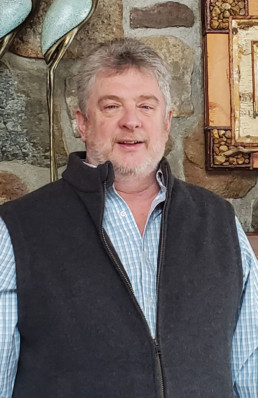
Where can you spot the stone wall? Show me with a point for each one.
(173, 29)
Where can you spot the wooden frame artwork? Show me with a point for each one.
(230, 48)
(243, 71)
(255, 77)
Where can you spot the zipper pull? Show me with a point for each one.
(157, 348)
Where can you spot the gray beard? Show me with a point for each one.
(144, 169)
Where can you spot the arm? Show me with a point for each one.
(245, 340)
(9, 335)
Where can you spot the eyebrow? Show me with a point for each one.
(141, 98)
(109, 97)
(149, 97)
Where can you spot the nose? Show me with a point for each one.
(130, 119)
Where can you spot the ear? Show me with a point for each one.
(81, 124)
(168, 123)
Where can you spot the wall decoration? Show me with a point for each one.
(230, 43)
(255, 76)
(62, 22)
(13, 14)
(242, 33)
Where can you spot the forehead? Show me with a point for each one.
(129, 80)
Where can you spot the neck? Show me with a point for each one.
(136, 186)
(138, 193)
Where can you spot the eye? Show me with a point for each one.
(113, 106)
(146, 107)
(110, 107)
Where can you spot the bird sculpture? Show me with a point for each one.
(62, 21)
(13, 14)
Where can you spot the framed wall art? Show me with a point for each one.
(230, 48)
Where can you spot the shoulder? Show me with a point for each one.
(189, 192)
(200, 197)
(45, 193)
(36, 205)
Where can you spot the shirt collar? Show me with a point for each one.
(159, 177)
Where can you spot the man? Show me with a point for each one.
(129, 281)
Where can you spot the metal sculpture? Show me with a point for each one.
(13, 14)
(63, 20)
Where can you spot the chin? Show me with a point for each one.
(143, 169)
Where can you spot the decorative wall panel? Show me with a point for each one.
(230, 44)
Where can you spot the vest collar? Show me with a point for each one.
(88, 179)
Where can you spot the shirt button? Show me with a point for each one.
(150, 301)
(122, 213)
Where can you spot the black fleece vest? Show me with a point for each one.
(83, 334)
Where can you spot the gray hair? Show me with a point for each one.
(117, 56)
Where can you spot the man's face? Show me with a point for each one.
(125, 122)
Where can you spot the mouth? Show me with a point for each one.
(129, 142)
(130, 145)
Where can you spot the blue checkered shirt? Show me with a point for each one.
(120, 225)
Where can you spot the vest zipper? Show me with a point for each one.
(160, 261)
(158, 355)
(128, 284)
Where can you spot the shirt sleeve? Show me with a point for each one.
(245, 340)
(9, 335)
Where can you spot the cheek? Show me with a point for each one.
(106, 130)
(160, 132)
